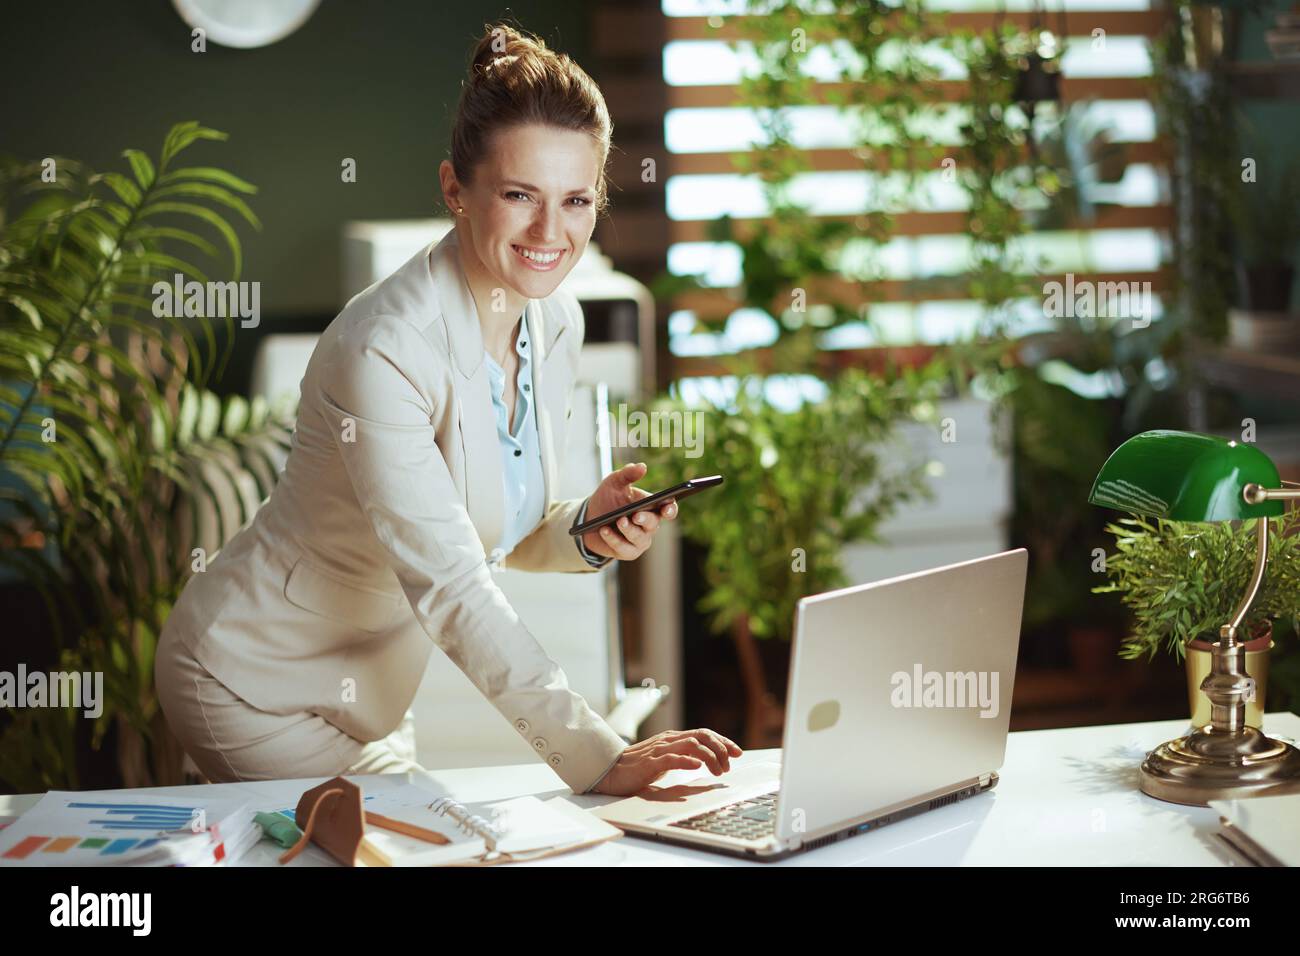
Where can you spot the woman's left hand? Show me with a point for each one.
(633, 534)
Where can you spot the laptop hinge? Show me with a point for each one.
(984, 779)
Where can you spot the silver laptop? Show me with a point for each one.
(899, 702)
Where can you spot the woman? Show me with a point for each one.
(426, 439)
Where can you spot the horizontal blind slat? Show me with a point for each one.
(947, 91)
(936, 289)
(625, 164)
(639, 232)
(1077, 23)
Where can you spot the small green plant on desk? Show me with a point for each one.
(1183, 580)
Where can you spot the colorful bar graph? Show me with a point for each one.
(61, 845)
(79, 832)
(139, 816)
(24, 849)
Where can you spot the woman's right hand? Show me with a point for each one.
(646, 761)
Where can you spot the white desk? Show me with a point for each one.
(1066, 798)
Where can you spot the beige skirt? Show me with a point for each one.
(230, 740)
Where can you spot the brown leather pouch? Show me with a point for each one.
(331, 816)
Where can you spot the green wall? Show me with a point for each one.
(376, 81)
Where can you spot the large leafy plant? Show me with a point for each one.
(121, 471)
(800, 483)
(803, 482)
(805, 477)
(1183, 580)
(997, 169)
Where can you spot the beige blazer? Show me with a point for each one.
(375, 543)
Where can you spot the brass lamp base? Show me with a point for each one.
(1227, 759)
(1220, 765)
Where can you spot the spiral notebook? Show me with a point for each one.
(480, 833)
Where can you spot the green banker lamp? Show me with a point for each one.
(1187, 477)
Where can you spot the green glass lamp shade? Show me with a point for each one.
(1185, 477)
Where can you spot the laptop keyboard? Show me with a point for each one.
(753, 818)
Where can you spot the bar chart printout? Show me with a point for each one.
(80, 829)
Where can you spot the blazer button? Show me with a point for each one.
(555, 759)
(521, 725)
(539, 744)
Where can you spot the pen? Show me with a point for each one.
(410, 829)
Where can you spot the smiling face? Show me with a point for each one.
(529, 212)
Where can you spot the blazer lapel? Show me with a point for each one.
(539, 332)
(484, 495)
(484, 491)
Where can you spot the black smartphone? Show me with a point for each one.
(687, 488)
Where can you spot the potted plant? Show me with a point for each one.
(1183, 580)
(1060, 438)
(801, 483)
(116, 462)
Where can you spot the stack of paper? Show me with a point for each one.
(75, 829)
(526, 824)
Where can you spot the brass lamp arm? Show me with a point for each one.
(1257, 494)
(1229, 630)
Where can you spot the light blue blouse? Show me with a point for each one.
(521, 457)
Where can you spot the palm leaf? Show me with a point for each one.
(140, 441)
